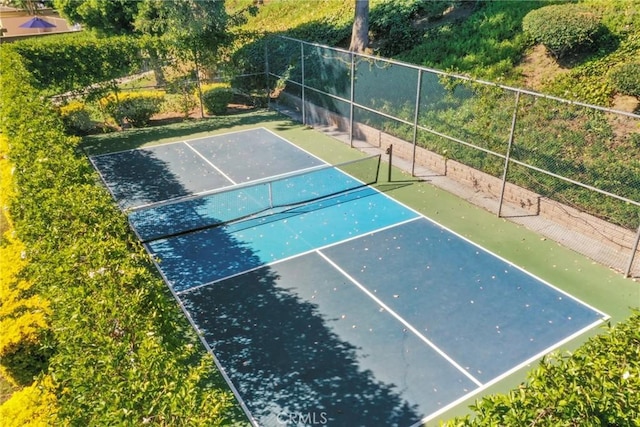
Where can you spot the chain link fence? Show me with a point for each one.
(566, 169)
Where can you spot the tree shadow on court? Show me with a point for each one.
(276, 347)
(138, 177)
(285, 359)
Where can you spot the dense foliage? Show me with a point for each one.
(597, 385)
(112, 347)
(77, 61)
(121, 352)
(487, 44)
(562, 28)
(216, 97)
(133, 108)
(390, 22)
(24, 315)
(114, 17)
(626, 78)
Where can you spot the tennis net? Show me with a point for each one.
(189, 214)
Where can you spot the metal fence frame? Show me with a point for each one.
(508, 160)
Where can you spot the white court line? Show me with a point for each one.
(181, 141)
(301, 254)
(505, 374)
(506, 261)
(204, 342)
(402, 320)
(210, 164)
(242, 185)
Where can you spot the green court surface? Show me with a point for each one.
(596, 285)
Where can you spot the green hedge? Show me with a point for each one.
(626, 78)
(562, 28)
(76, 118)
(598, 385)
(216, 98)
(133, 108)
(58, 64)
(122, 351)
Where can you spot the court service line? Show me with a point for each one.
(301, 254)
(507, 373)
(402, 320)
(209, 163)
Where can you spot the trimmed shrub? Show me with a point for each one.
(75, 61)
(597, 385)
(125, 353)
(33, 406)
(562, 28)
(216, 97)
(23, 314)
(134, 108)
(626, 79)
(76, 118)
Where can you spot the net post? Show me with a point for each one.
(390, 153)
(634, 249)
(508, 154)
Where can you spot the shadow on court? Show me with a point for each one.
(285, 359)
(129, 182)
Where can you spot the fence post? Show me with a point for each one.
(353, 80)
(415, 123)
(634, 249)
(266, 72)
(304, 101)
(507, 156)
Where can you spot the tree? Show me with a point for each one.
(196, 29)
(360, 31)
(113, 17)
(31, 6)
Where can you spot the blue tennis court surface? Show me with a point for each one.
(349, 309)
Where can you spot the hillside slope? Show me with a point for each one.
(483, 39)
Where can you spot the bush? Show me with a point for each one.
(126, 355)
(216, 97)
(391, 22)
(597, 385)
(62, 63)
(33, 406)
(562, 28)
(76, 118)
(23, 314)
(134, 108)
(626, 79)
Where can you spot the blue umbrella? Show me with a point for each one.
(37, 22)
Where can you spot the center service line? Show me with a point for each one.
(403, 321)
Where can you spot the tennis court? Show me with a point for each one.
(324, 301)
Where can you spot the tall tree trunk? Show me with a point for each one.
(360, 31)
